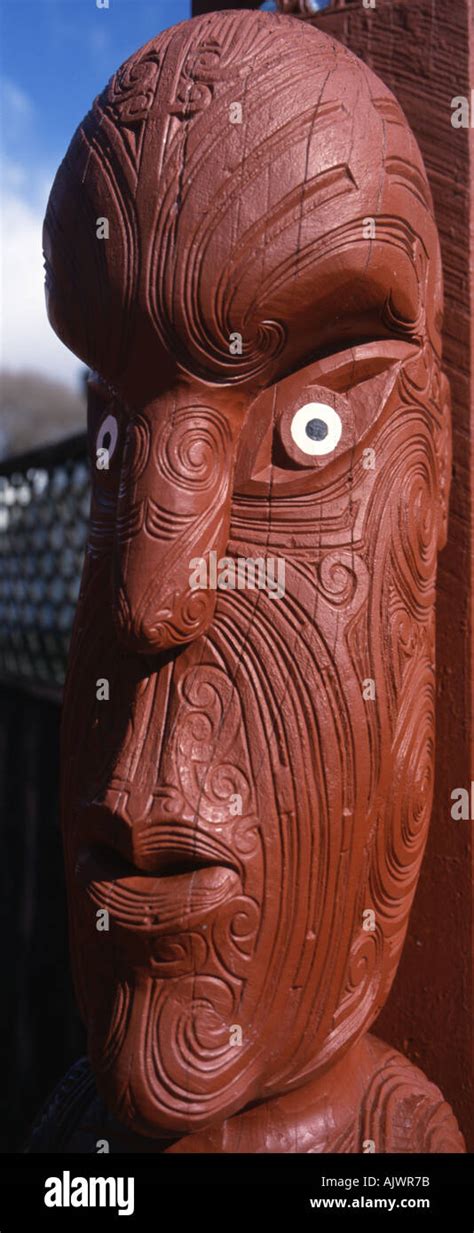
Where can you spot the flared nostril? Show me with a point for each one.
(140, 636)
(185, 617)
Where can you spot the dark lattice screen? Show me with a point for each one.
(44, 505)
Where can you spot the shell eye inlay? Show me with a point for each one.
(316, 428)
(107, 435)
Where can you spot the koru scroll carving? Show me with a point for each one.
(248, 798)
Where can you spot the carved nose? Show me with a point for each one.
(165, 612)
(173, 509)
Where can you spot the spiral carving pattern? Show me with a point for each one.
(263, 773)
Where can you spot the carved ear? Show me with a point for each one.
(443, 448)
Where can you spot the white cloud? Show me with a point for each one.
(14, 100)
(26, 337)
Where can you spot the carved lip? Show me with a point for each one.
(180, 895)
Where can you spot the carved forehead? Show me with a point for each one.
(276, 63)
(246, 108)
(306, 105)
(237, 154)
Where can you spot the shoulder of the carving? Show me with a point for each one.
(63, 1114)
(75, 1119)
(402, 1111)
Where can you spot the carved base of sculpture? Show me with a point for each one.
(374, 1100)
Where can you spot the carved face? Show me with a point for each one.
(247, 776)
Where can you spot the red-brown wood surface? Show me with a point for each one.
(423, 51)
(306, 231)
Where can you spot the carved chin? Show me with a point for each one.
(163, 1061)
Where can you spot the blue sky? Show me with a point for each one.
(56, 55)
(60, 54)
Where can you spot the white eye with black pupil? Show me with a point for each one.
(316, 428)
(107, 435)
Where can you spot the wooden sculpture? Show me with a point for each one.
(241, 242)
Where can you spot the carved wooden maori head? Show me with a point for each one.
(241, 242)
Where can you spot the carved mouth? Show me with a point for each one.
(174, 897)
